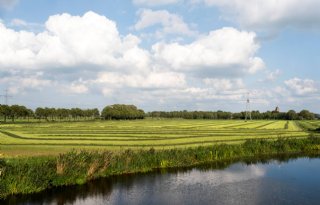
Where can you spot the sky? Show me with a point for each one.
(161, 54)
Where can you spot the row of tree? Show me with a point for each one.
(66, 114)
(290, 115)
(117, 112)
(17, 111)
(191, 114)
(129, 112)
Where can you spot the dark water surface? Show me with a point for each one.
(294, 181)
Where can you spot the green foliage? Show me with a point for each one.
(66, 114)
(14, 111)
(221, 115)
(122, 112)
(78, 166)
(306, 115)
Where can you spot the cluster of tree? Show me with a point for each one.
(63, 113)
(290, 115)
(191, 114)
(122, 112)
(15, 111)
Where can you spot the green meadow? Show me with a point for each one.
(53, 138)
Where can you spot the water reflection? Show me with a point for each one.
(284, 180)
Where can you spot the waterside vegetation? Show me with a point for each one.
(34, 174)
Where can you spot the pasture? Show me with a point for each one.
(32, 139)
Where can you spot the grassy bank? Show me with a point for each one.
(33, 174)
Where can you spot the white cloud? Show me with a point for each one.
(270, 76)
(226, 51)
(155, 2)
(58, 46)
(301, 87)
(152, 80)
(273, 75)
(19, 84)
(270, 14)
(171, 23)
(77, 88)
(57, 49)
(224, 84)
(90, 47)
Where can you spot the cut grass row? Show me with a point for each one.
(161, 134)
(152, 139)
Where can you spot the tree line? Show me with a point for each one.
(130, 112)
(257, 115)
(191, 114)
(114, 112)
(66, 114)
(14, 112)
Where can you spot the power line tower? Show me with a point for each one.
(6, 96)
(248, 109)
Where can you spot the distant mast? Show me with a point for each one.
(248, 109)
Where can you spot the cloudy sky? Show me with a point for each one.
(161, 54)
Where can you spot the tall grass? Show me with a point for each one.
(28, 175)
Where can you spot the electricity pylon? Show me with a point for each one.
(248, 109)
(6, 96)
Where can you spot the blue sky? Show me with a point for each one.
(161, 55)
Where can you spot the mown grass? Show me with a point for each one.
(33, 139)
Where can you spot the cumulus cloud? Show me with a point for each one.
(58, 45)
(155, 2)
(57, 48)
(87, 54)
(301, 86)
(226, 51)
(171, 23)
(271, 14)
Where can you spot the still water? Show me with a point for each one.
(292, 181)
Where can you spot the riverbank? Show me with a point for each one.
(34, 174)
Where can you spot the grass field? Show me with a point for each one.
(53, 138)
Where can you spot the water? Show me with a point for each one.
(295, 181)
